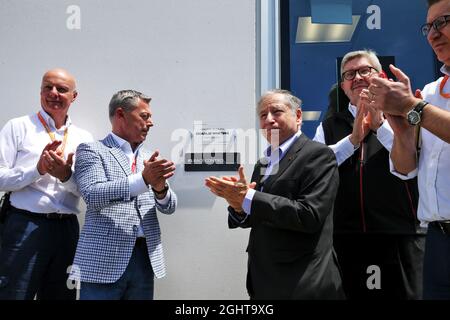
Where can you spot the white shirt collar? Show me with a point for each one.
(125, 146)
(51, 123)
(445, 70)
(284, 147)
(352, 108)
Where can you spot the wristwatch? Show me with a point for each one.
(163, 191)
(414, 116)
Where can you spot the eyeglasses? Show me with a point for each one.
(437, 24)
(363, 72)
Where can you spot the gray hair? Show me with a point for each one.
(366, 53)
(127, 100)
(432, 2)
(292, 101)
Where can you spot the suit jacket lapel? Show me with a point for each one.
(258, 174)
(287, 160)
(347, 117)
(118, 154)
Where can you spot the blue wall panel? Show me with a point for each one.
(312, 66)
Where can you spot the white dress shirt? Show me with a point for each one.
(21, 143)
(344, 149)
(434, 164)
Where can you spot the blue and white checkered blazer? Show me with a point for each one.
(112, 217)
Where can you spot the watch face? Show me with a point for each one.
(413, 117)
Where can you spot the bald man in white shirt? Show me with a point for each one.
(41, 227)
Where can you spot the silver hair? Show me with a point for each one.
(432, 2)
(366, 53)
(127, 100)
(292, 101)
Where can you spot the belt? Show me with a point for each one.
(444, 226)
(140, 242)
(50, 216)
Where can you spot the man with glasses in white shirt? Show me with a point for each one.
(375, 222)
(405, 113)
(41, 227)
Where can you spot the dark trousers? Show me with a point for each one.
(35, 255)
(394, 262)
(136, 283)
(436, 269)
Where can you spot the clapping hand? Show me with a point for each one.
(232, 189)
(52, 161)
(157, 171)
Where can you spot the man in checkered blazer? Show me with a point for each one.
(119, 251)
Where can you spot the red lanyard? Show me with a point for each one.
(441, 88)
(52, 134)
(133, 165)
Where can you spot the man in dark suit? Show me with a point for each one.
(288, 208)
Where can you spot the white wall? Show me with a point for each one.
(196, 58)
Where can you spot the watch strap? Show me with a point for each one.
(419, 106)
(414, 116)
(166, 187)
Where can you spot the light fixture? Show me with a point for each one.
(308, 32)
